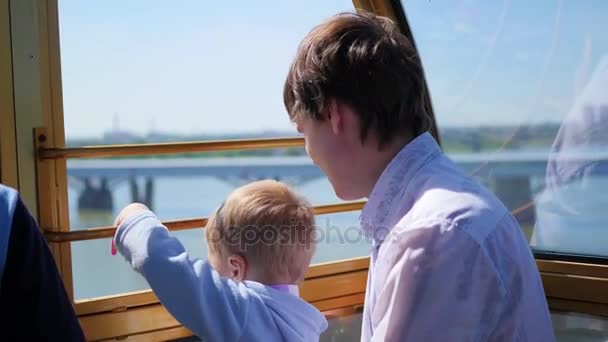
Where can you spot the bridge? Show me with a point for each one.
(508, 173)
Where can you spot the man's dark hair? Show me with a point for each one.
(364, 61)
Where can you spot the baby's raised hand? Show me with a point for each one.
(128, 211)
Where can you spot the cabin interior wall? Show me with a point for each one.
(8, 153)
(34, 34)
(26, 86)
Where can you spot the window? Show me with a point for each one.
(570, 326)
(518, 90)
(476, 80)
(150, 71)
(64, 180)
(147, 72)
(343, 328)
(96, 273)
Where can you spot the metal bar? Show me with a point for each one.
(175, 225)
(104, 151)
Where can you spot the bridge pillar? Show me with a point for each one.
(96, 198)
(148, 192)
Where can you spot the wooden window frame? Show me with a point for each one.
(8, 143)
(33, 160)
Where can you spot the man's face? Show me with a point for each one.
(329, 149)
(314, 134)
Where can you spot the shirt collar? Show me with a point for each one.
(287, 288)
(379, 214)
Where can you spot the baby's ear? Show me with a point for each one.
(238, 267)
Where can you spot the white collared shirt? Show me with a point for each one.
(448, 262)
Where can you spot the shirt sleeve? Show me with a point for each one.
(212, 307)
(436, 285)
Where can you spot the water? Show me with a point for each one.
(96, 273)
(569, 219)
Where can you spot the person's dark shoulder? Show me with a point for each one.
(8, 202)
(33, 301)
(9, 198)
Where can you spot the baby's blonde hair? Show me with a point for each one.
(269, 225)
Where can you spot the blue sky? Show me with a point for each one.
(189, 66)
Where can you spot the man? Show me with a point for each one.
(448, 261)
(33, 303)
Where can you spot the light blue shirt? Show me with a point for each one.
(448, 261)
(8, 202)
(213, 307)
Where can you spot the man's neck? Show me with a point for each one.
(379, 159)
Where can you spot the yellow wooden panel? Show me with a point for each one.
(52, 93)
(116, 324)
(337, 267)
(572, 287)
(159, 335)
(37, 103)
(354, 301)
(134, 299)
(103, 151)
(8, 148)
(341, 312)
(117, 302)
(333, 286)
(565, 305)
(556, 266)
(27, 92)
(326, 293)
(146, 321)
(364, 5)
(331, 308)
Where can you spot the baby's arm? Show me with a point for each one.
(211, 307)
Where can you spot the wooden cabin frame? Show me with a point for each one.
(33, 160)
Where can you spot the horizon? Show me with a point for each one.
(276, 132)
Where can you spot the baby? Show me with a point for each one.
(260, 243)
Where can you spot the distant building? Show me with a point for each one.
(118, 136)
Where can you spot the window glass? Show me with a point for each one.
(157, 71)
(147, 71)
(184, 187)
(178, 187)
(569, 326)
(97, 273)
(519, 92)
(343, 329)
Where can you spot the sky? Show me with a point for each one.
(198, 66)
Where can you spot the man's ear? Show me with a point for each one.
(335, 115)
(237, 266)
